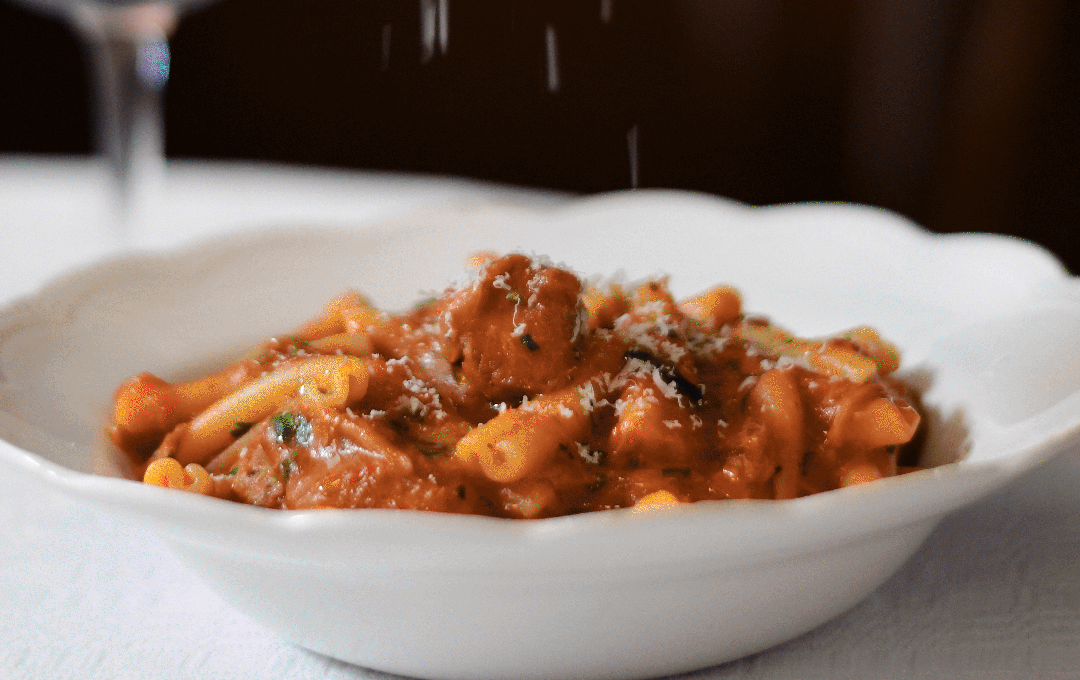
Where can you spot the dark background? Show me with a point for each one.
(958, 114)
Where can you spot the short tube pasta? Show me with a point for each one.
(657, 500)
(326, 380)
(883, 423)
(777, 397)
(168, 473)
(859, 354)
(349, 312)
(145, 406)
(715, 307)
(518, 442)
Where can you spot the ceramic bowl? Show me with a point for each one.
(987, 326)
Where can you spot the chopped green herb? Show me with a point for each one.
(291, 427)
(288, 463)
(426, 302)
(298, 346)
(514, 295)
(430, 450)
(284, 424)
(234, 470)
(529, 343)
(241, 427)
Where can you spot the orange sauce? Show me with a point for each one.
(621, 395)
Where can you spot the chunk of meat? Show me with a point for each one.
(516, 330)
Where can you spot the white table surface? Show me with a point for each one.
(994, 593)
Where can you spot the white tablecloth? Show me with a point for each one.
(994, 593)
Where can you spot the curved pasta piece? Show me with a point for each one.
(519, 441)
(329, 381)
(657, 500)
(882, 352)
(773, 339)
(839, 361)
(777, 396)
(145, 407)
(168, 473)
(715, 308)
(882, 422)
(860, 473)
(350, 312)
(650, 425)
(826, 357)
(870, 421)
(346, 343)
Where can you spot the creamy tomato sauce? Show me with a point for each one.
(528, 393)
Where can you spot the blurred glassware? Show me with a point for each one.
(128, 42)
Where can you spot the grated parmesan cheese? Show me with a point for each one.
(415, 385)
(589, 456)
(588, 397)
(500, 281)
(667, 389)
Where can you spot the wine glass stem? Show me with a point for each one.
(130, 59)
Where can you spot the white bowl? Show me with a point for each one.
(987, 326)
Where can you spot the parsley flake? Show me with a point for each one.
(291, 427)
(288, 464)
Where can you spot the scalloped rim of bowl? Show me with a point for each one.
(56, 302)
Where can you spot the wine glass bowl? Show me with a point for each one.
(128, 43)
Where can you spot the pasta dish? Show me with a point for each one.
(527, 392)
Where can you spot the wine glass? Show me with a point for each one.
(128, 42)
